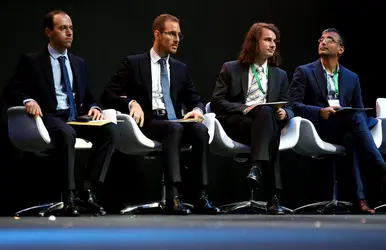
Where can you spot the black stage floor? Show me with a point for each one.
(195, 232)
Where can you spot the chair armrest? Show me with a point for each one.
(290, 134)
(207, 108)
(132, 140)
(25, 132)
(209, 122)
(311, 144)
(376, 132)
(381, 107)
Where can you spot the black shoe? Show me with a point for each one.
(204, 206)
(89, 202)
(255, 177)
(69, 206)
(175, 207)
(274, 207)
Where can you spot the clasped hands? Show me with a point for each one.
(280, 113)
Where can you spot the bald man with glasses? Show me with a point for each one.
(319, 89)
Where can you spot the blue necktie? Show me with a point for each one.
(166, 91)
(65, 82)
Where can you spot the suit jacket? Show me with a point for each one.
(133, 80)
(230, 92)
(33, 79)
(308, 91)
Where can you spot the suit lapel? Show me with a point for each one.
(173, 77)
(47, 68)
(320, 78)
(76, 76)
(146, 73)
(341, 84)
(272, 84)
(244, 81)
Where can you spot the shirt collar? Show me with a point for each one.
(54, 54)
(264, 66)
(337, 68)
(155, 57)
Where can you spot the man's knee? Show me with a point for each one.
(201, 131)
(263, 110)
(65, 134)
(110, 132)
(175, 128)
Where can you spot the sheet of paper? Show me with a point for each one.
(90, 123)
(273, 104)
(352, 109)
(186, 120)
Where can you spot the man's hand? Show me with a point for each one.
(33, 109)
(326, 112)
(137, 113)
(280, 114)
(96, 114)
(246, 111)
(195, 114)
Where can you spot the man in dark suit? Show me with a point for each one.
(318, 89)
(240, 88)
(155, 86)
(53, 84)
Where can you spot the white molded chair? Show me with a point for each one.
(381, 114)
(134, 142)
(221, 144)
(310, 144)
(299, 135)
(29, 134)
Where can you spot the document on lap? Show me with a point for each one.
(90, 123)
(352, 109)
(275, 105)
(187, 120)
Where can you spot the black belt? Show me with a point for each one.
(159, 112)
(62, 110)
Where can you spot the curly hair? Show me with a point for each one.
(250, 48)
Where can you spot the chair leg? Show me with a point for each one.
(312, 205)
(332, 205)
(252, 206)
(144, 206)
(381, 208)
(35, 208)
(54, 207)
(233, 207)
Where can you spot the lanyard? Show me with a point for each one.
(258, 79)
(335, 81)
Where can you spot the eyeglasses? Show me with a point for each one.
(174, 34)
(328, 40)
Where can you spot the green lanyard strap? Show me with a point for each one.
(258, 79)
(336, 83)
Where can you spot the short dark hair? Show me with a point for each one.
(250, 49)
(159, 22)
(341, 38)
(48, 21)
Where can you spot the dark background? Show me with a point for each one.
(105, 32)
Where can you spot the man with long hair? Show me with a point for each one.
(241, 88)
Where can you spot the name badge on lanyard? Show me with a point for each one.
(333, 100)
